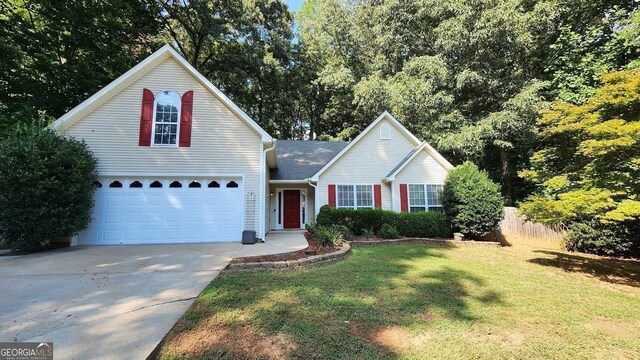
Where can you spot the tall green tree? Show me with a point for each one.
(55, 54)
(245, 48)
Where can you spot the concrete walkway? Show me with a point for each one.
(276, 242)
(113, 302)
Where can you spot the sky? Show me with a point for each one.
(294, 5)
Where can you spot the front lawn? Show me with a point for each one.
(415, 301)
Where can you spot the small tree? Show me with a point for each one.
(472, 201)
(46, 188)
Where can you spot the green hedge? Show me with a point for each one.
(418, 224)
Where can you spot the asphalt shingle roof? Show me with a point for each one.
(299, 160)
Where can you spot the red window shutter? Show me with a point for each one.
(332, 196)
(377, 196)
(404, 199)
(146, 118)
(185, 118)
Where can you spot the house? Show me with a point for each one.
(179, 162)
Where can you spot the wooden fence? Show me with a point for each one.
(515, 230)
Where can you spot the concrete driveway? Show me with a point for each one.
(114, 302)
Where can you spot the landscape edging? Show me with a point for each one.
(427, 241)
(289, 264)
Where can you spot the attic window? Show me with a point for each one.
(385, 132)
(135, 184)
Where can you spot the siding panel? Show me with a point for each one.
(423, 169)
(368, 162)
(221, 143)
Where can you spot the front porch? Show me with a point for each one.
(291, 205)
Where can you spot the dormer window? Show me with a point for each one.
(166, 118)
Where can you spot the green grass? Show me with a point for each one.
(414, 301)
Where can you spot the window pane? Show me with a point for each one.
(416, 195)
(433, 194)
(166, 118)
(364, 196)
(416, 208)
(436, 209)
(344, 196)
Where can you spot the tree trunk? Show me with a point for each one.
(505, 177)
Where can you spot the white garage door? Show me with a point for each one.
(156, 211)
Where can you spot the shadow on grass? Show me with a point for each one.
(624, 272)
(345, 310)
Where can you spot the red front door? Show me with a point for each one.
(292, 209)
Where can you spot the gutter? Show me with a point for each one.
(316, 199)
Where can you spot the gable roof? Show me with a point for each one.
(138, 71)
(299, 160)
(384, 115)
(412, 154)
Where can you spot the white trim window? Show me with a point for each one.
(424, 197)
(166, 119)
(354, 196)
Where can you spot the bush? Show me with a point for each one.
(46, 188)
(615, 239)
(472, 201)
(424, 224)
(356, 220)
(420, 224)
(368, 233)
(388, 232)
(332, 235)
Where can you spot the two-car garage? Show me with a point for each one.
(165, 210)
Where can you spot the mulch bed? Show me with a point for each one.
(313, 249)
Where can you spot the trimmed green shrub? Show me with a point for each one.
(388, 231)
(614, 239)
(46, 188)
(330, 236)
(472, 201)
(368, 233)
(419, 224)
(356, 220)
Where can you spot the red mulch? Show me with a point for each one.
(311, 250)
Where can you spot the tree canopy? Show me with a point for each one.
(468, 76)
(589, 164)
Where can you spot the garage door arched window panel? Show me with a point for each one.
(232, 184)
(214, 184)
(97, 184)
(166, 119)
(115, 184)
(155, 184)
(135, 184)
(175, 184)
(168, 215)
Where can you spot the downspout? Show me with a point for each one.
(265, 191)
(316, 199)
(393, 193)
